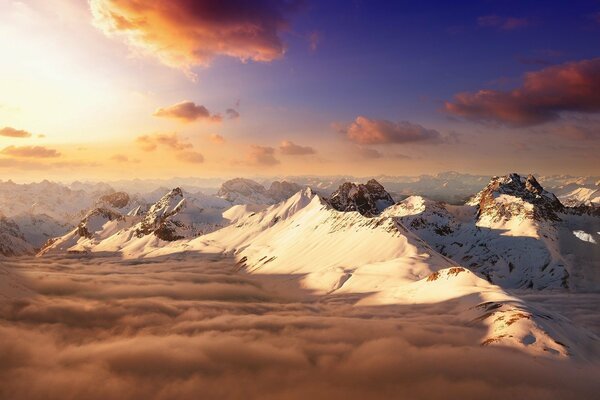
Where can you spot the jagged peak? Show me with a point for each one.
(369, 199)
(543, 204)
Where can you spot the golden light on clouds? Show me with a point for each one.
(183, 34)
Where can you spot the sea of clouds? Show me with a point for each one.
(194, 327)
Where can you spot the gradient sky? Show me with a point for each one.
(106, 89)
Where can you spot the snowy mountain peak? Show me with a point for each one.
(160, 217)
(513, 195)
(369, 199)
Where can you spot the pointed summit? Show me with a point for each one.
(514, 195)
(369, 200)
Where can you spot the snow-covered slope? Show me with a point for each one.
(56, 200)
(12, 241)
(120, 221)
(513, 232)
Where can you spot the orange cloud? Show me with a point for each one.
(30, 152)
(262, 155)
(289, 148)
(152, 142)
(368, 131)
(573, 86)
(187, 111)
(217, 139)
(15, 133)
(184, 33)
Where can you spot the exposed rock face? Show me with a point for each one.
(160, 218)
(95, 219)
(369, 200)
(512, 195)
(116, 199)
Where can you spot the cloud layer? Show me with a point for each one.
(166, 329)
(570, 87)
(185, 33)
(187, 111)
(366, 131)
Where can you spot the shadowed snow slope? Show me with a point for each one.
(514, 233)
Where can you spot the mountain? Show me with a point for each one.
(119, 221)
(369, 199)
(572, 190)
(280, 191)
(377, 260)
(246, 191)
(37, 229)
(173, 217)
(97, 225)
(513, 232)
(55, 200)
(515, 196)
(12, 241)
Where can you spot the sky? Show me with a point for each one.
(107, 89)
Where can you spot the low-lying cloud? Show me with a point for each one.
(367, 131)
(544, 95)
(166, 329)
(184, 33)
